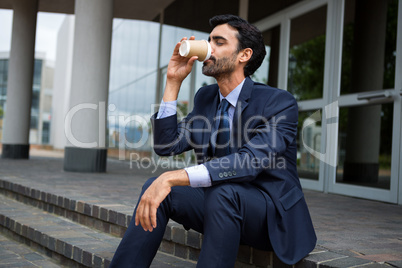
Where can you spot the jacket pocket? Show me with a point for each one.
(289, 199)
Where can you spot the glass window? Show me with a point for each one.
(37, 72)
(261, 74)
(34, 121)
(133, 72)
(46, 133)
(3, 72)
(369, 46)
(270, 64)
(35, 100)
(3, 91)
(365, 145)
(307, 55)
(308, 140)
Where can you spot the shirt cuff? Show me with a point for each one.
(167, 109)
(199, 176)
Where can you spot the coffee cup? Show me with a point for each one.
(200, 48)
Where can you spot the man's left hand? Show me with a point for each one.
(155, 194)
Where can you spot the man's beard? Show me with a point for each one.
(221, 67)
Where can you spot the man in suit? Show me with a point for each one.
(245, 188)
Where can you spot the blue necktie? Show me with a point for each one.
(223, 136)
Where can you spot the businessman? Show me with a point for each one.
(245, 188)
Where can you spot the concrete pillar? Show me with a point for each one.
(20, 77)
(85, 123)
(364, 124)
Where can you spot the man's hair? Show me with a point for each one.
(249, 37)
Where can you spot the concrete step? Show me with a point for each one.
(16, 254)
(69, 243)
(111, 218)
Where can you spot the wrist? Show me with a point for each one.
(177, 178)
(171, 90)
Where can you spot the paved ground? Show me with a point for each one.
(354, 227)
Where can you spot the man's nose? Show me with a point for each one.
(212, 47)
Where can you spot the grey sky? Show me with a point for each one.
(47, 27)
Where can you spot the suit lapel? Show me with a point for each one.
(242, 103)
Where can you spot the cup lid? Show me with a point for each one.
(209, 51)
(184, 48)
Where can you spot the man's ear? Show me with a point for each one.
(245, 54)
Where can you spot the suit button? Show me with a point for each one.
(220, 175)
(230, 174)
(234, 173)
(225, 174)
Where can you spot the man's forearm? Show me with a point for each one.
(176, 178)
(171, 91)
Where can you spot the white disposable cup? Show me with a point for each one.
(200, 48)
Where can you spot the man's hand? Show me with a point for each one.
(178, 69)
(155, 194)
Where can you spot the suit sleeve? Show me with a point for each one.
(270, 138)
(170, 137)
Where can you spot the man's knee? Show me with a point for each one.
(222, 196)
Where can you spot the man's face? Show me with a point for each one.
(224, 42)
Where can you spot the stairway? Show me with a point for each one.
(77, 233)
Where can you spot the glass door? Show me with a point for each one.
(368, 139)
(344, 69)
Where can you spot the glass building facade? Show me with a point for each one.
(39, 126)
(134, 93)
(36, 88)
(3, 90)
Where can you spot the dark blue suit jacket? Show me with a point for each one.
(263, 153)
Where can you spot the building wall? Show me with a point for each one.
(42, 95)
(62, 81)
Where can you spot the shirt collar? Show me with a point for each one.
(233, 96)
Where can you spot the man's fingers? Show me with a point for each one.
(153, 216)
(176, 49)
(145, 219)
(191, 61)
(138, 214)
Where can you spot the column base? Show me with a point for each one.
(85, 159)
(360, 172)
(15, 151)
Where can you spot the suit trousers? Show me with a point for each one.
(228, 214)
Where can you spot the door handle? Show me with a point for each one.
(374, 95)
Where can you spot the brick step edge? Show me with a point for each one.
(54, 235)
(176, 241)
(105, 217)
